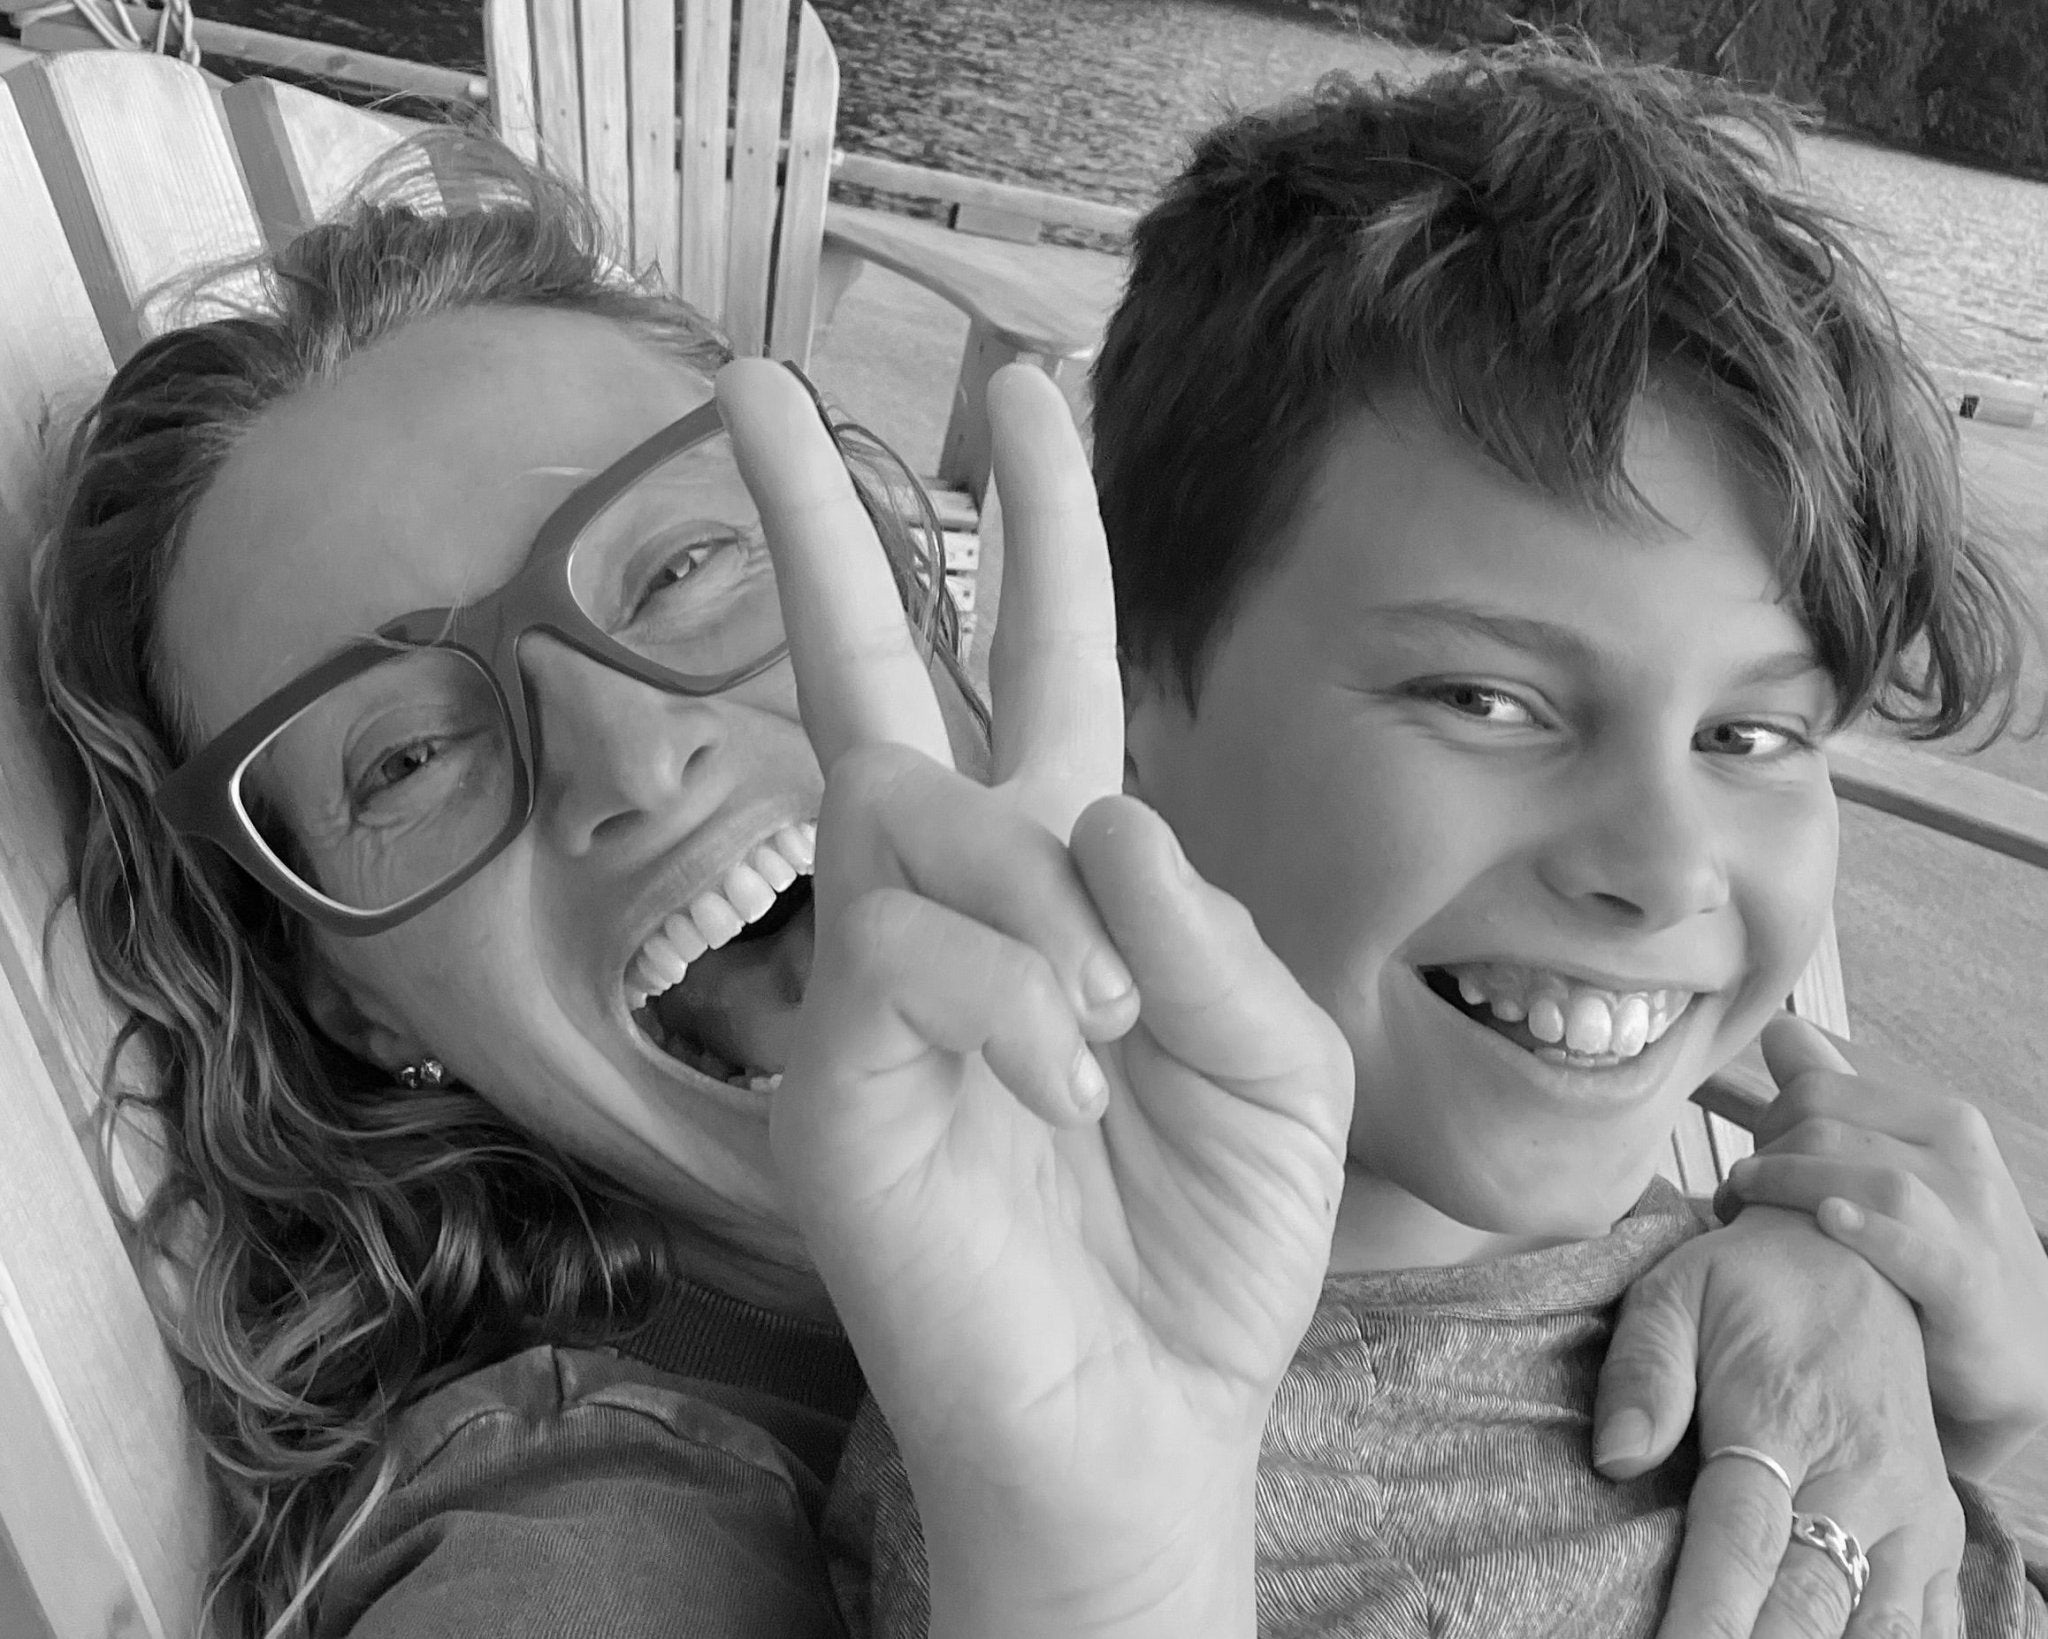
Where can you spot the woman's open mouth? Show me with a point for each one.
(1559, 1019)
(717, 986)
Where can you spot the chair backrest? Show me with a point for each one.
(118, 173)
(687, 121)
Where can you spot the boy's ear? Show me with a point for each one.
(352, 1021)
(1146, 700)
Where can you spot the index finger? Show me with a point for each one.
(1058, 699)
(859, 677)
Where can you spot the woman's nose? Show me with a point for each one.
(1641, 848)
(621, 762)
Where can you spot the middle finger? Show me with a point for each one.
(1059, 725)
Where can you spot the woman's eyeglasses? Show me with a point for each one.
(386, 776)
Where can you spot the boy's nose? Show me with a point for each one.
(1642, 852)
(621, 762)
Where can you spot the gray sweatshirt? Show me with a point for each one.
(1426, 1469)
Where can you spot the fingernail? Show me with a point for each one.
(1623, 1436)
(1086, 1085)
(1844, 1217)
(1105, 980)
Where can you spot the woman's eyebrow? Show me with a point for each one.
(1563, 645)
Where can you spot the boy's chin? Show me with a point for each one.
(1539, 1202)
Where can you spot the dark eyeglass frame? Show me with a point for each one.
(202, 797)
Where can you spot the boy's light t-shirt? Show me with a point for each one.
(1426, 1469)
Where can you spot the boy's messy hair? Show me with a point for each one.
(1532, 238)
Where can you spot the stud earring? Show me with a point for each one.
(427, 1072)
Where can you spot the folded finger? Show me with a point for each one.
(1736, 1526)
(1863, 1103)
(860, 678)
(1942, 1610)
(1212, 993)
(1895, 1598)
(1927, 1268)
(1880, 1187)
(892, 817)
(1810, 1598)
(899, 979)
(1053, 674)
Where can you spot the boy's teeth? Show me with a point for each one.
(1588, 1025)
(1631, 1026)
(1586, 1021)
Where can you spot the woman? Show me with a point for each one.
(495, 1314)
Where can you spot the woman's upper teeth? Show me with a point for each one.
(1585, 1018)
(746, 893)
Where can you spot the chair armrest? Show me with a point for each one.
(1952, 798)
(970, 274)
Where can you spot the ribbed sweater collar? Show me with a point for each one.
(702, 1333)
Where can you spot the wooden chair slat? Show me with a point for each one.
(302, 153)
(140, 215)
(607, 114)
(91, 1418)
(651, 93)
(1729, 1142)
(806, 183)
(508, 55)
(53, 356)
(1820, 994)
(756, 157)
(557, 94)
(702, 211)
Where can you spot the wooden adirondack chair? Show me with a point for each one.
(117, 174)
(721, 180)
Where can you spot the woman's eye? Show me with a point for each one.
(1488, 705)
(1750, 740)
(394, 768)
(688, 570)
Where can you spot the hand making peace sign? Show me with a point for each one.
(1065, 1139)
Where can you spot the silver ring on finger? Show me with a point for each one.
(1751, 1454)
(1818, 1531)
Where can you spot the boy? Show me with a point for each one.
(1509, 486)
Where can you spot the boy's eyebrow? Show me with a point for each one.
(1561, 643)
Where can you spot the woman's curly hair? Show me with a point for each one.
(325, 1249)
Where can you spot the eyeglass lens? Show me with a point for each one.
(400, 778)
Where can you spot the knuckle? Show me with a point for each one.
(1886, 1622)
(1813, 1593)
(1756, 1529)
(1963, 1129)
(876, 923)
(1895, 1192)
(867, 776)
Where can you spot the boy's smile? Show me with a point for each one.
(1531, 800)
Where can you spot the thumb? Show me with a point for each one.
(1794, 1046)
(1647, 1386)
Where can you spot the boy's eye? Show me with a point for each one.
(1487, 704)
(1749, 740)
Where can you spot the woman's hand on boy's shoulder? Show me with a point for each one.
(1065, 1139)
(1913, 1180)
(1787, 1344)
